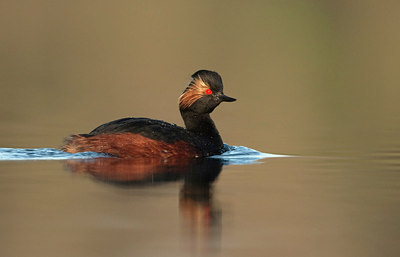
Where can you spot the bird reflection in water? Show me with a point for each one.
(201, 216)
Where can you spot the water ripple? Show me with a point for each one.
(235, 155)
(20, 154)
(231, 155)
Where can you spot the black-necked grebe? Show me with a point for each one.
(142, 137)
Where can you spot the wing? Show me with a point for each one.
(154, 129)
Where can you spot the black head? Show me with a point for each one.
(204, 93)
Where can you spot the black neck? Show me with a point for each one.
(202, 125)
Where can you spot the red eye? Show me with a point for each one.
(208, 92)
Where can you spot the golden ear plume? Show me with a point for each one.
(193, 92)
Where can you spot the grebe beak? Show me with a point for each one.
(225, 98)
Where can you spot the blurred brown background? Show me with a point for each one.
(301, 70)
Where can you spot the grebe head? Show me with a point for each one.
(204, 93)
